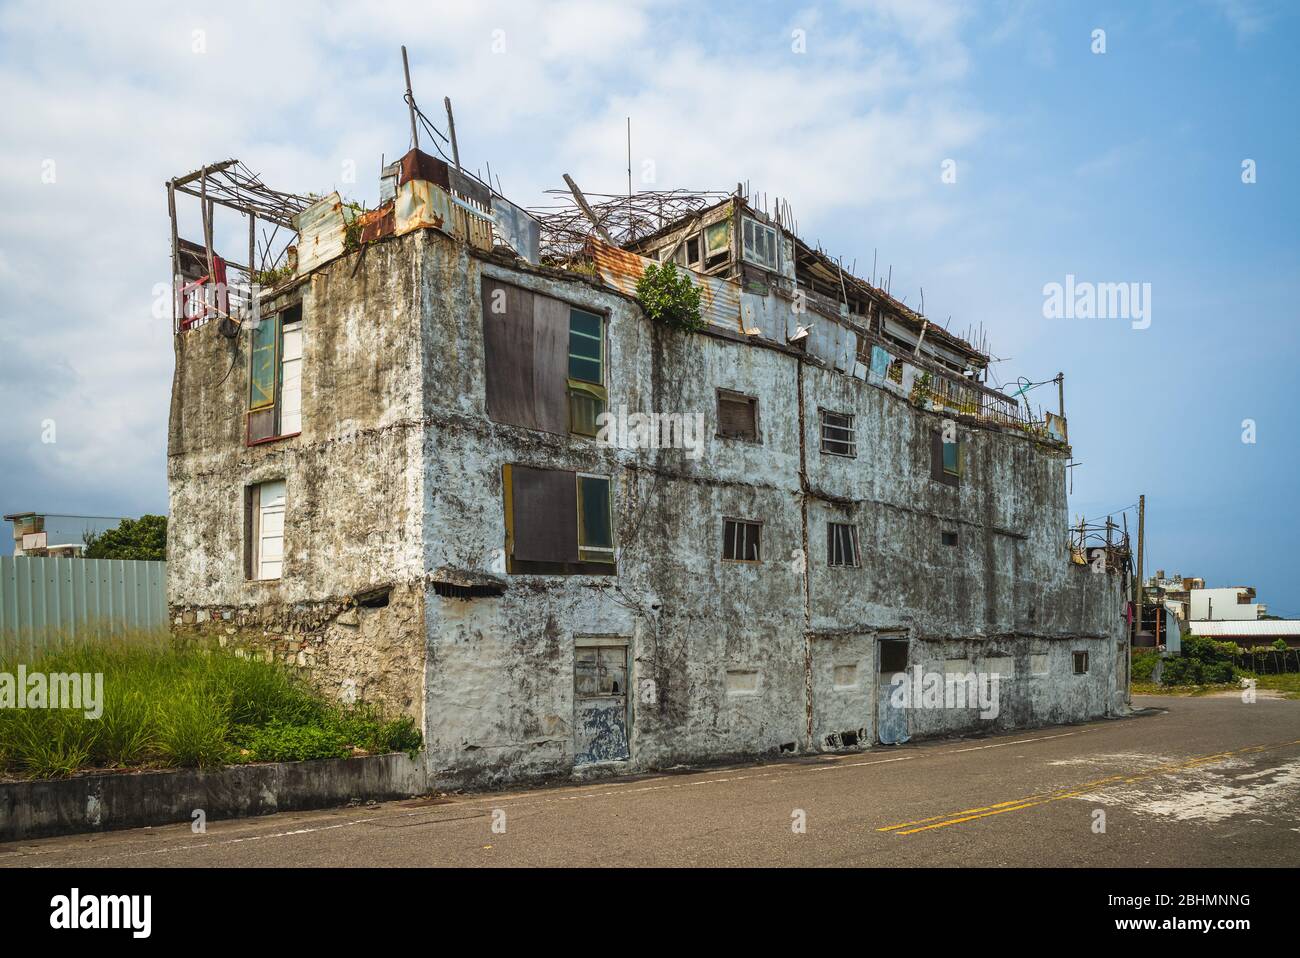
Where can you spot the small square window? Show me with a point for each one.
(693, 250)
(741, 540)
(838, 436)
(1080, 663)
(737, 416)
(949, 538)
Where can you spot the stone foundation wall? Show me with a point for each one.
(349, 653)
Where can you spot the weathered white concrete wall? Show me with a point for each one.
(727, 659)
(500, 670)
(354, 487)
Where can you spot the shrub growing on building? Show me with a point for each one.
(668, 296)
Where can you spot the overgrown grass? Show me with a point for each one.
(164, 706)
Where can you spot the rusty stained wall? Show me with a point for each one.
(499, 677)
(354, 488)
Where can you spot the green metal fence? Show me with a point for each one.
(44, 601)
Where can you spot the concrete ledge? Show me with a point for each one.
(38, 809)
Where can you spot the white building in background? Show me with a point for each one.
(1236, 603)
(50, 534)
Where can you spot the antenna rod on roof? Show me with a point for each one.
(410, 99)
(451, 129)
(629, 157)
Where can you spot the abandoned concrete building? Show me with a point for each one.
(385, 468)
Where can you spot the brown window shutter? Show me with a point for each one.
(551, 364)
(508, 354)
(736, 417)
(545, 514)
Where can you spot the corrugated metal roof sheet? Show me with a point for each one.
(1252, 628)
(719, 298)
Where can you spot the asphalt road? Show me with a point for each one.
(1200, 781)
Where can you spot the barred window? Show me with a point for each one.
(842, 544)
(838, 435)
(740, 540)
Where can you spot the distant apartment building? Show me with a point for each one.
(55, 535)
(1234, 602)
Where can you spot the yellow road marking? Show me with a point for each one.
(1072, 791)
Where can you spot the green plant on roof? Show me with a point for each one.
(668, 296)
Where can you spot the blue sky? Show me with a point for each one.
(1123, 166)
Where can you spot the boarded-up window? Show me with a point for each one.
(264, 530)
(737, 416)
(599, 671)
(740, 540)
(558, 522)
(544, 361)
(945, 459)
(838, 436)
(841, 544)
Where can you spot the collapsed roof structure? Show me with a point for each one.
(758, 279)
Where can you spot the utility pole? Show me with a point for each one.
(451, 130)
(1142, 513)
(1060, 393)
(410, 100)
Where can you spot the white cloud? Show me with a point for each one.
(118, 98)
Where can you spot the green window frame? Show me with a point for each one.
(586, 381)
(595, 518)
(586, 347)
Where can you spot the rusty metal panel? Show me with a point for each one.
(321, 233)
(376, 224)
(418, 165)
(420, 203)
(719, 298)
